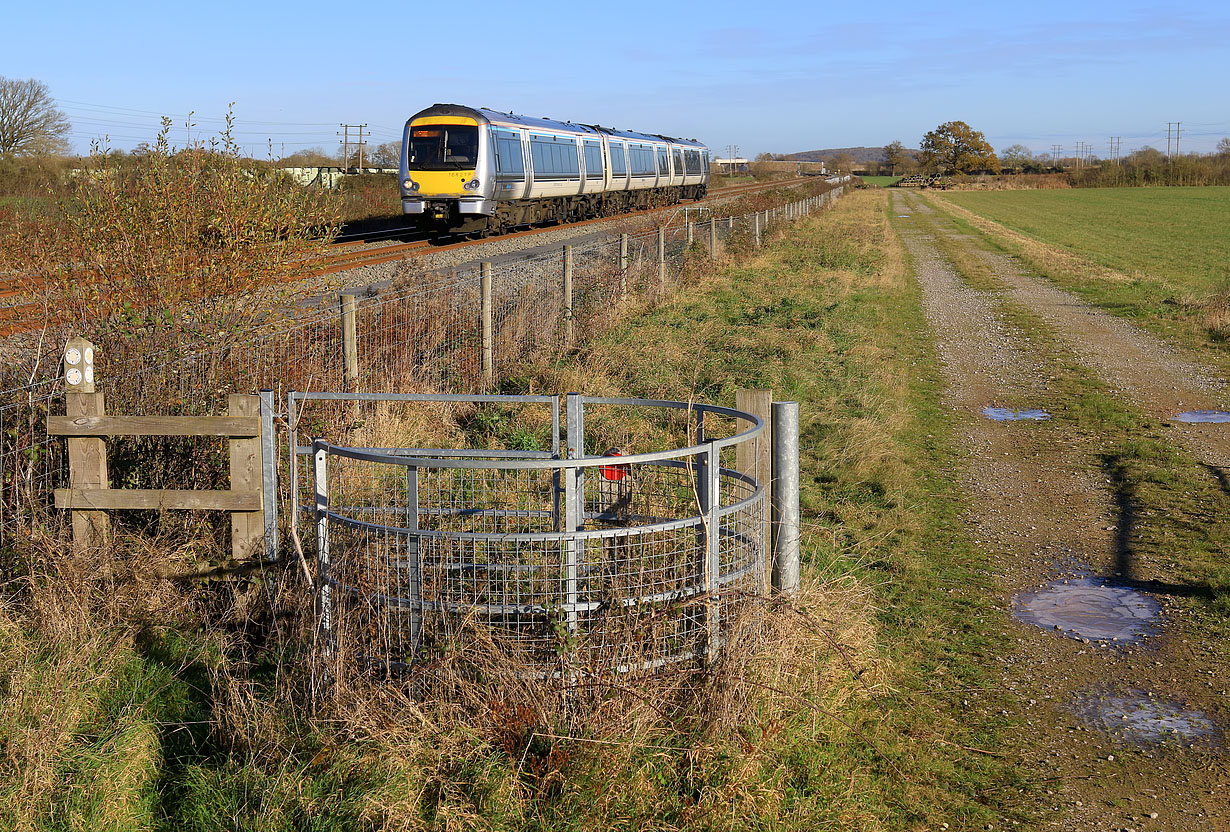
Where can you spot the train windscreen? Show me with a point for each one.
(442, 147)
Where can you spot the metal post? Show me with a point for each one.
(269, 474)
(486, 325)
(350, 343)
(712, 237)
(574, 503)
(568, 325)
(713, 549)
(785, 504)
(623, 266)
(661, 260)
(324, 596)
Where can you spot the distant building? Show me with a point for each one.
(735, 165)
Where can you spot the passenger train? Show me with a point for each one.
(478, 171)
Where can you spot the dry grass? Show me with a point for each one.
(598, 745)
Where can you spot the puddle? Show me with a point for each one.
(903, 216)
(1202, 416)
(1087, 608)
(1138, 717)
(1004, 414)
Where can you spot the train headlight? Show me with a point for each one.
(473, 185)
(410, 185)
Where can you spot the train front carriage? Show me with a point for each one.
(467, 170)
(444, 176)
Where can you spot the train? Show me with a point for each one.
(474, 171)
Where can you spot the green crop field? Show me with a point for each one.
(1179, 236)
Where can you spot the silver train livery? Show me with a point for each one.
(471, 170)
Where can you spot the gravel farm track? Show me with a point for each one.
(1047, 512)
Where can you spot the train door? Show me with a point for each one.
(510, 178)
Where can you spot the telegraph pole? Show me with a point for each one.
(1178, 128)
(732, 151)
(346, 143)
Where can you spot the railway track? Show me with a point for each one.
(344, 260)
(15, 315)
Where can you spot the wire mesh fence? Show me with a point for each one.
(587, 564)
(424, 337)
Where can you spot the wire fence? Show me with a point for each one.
(579, 564)
(425, 337)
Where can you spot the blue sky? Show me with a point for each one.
(769, 76)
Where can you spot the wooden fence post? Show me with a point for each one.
(623, 266)
(87, 457)
(247, 527)
(350, 343)
(661, 260)
(569, 333)
(487, 324)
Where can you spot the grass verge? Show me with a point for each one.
(173, 724)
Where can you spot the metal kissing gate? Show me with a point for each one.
(622, 562)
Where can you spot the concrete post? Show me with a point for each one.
(756, 225)
(712, 237)
(784, 513)
(688, 223)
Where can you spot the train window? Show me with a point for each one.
(704, 159)
(678, 154)
(619, 165)
(593, 160)
(554, 157)
(664, 164)
(509, 159)
(442, 147)
(642, 160)
(693, 161)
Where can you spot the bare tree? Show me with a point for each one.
(386, 155)
(29, 120)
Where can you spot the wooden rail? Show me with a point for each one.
(90, 495)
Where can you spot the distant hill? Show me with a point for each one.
(857, 154)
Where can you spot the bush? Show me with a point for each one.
(174, 243)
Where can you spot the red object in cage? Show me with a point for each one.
(614, 473)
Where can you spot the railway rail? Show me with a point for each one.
(15, 316)
(344, 260)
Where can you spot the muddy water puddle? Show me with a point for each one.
(1007, 414)
(1202, 417)
(1090, 609)
(1138, 717)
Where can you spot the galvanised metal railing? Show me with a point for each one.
(610, 563)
